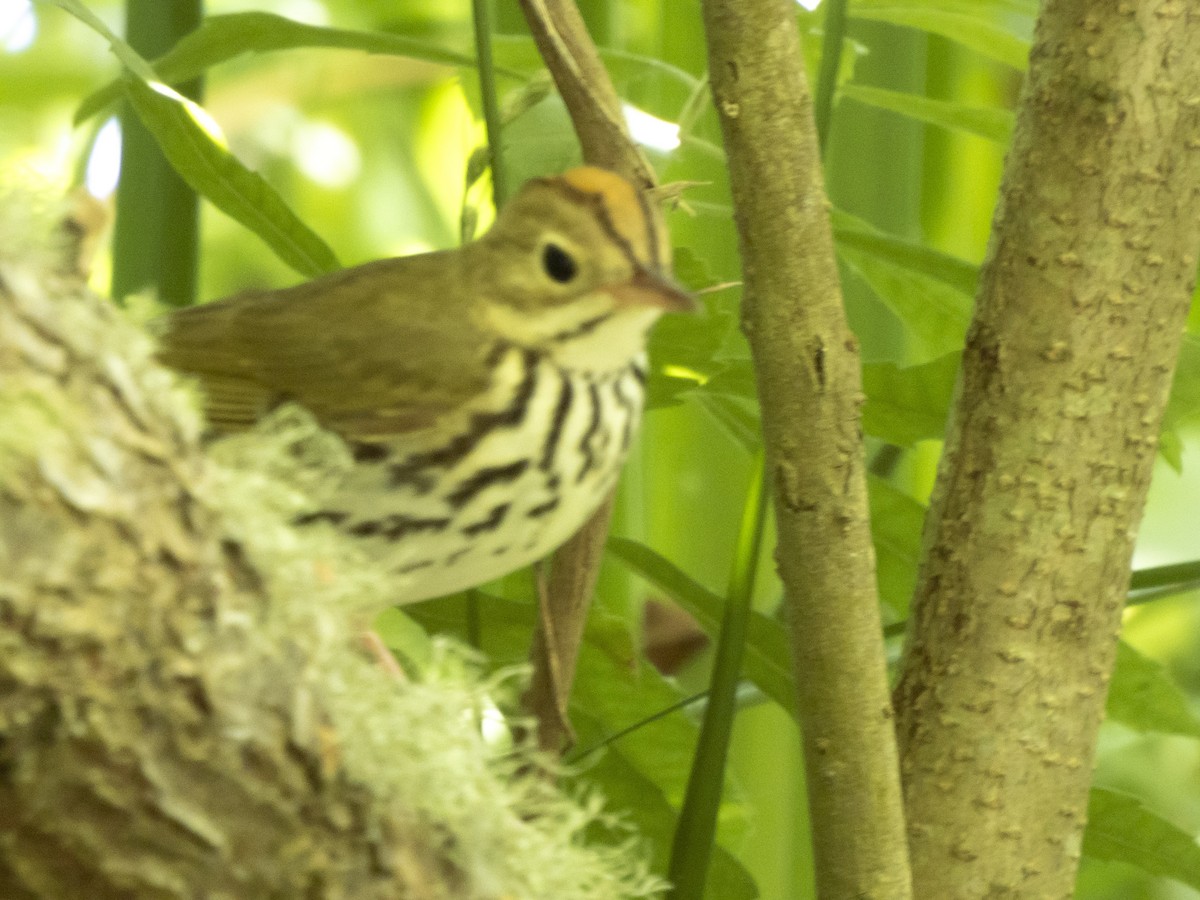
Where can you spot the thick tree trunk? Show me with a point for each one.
(1065, 377)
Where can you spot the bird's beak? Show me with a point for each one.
(649, 289)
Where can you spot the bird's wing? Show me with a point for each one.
(369, 351)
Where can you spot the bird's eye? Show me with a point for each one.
(559, 264)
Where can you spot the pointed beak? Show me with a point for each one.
(649, 289)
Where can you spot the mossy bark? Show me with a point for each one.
(154, 741)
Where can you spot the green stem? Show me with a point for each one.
(831, 60)
(694, 106)
(156, 237)
(696, 831)
(482, 15)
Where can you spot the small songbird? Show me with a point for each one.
(488, 394)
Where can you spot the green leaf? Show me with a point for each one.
(222, 38)
(683, 349)
(931, 292)
(702, 804)
(216, 174)
(737, 415)
(896, 523)
(208, 167)
(613, 691)
(909, 404)
(1184, 403)
(991, 124)
(643, 802)
(768, 660)
(129, 57)
(642, 773)
(998, 29)
(1163, 581)
(1143, 696)
(1121, 829)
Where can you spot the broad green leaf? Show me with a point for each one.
(767, 662)
(643, 803)
(222, 38)
(206, 165)
(1184, 403)
(216, 174)
(1142, 696)
(896, 523)
(991, 124)
(999, 29)
(951, 271)
(930, 292)
(739, 417)
(909, 404)
(702, 804)
(612, 692)
(1119, 828)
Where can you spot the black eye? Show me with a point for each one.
(559, 264)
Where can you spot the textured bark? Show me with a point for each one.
(566, 597)
(1065, 376)
(809, 384)
(586, 89)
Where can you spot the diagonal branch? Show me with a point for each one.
(595, 110)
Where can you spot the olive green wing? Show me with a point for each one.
(373, 351)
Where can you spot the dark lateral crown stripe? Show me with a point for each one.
(482, 423)
(596, 202)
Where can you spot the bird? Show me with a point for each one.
(488, 395)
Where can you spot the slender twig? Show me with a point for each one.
(482, 16)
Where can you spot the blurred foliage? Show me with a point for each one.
(351, 130)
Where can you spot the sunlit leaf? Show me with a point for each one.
(225, 37)
(1119, 828)
(1142, 696)
(188, 141)
(999, 29)
(991, 124)
(908, 404)
(931, 292)
(214, 173)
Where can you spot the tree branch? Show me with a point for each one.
(1065, 376)
(566, 596)
(809, 384)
